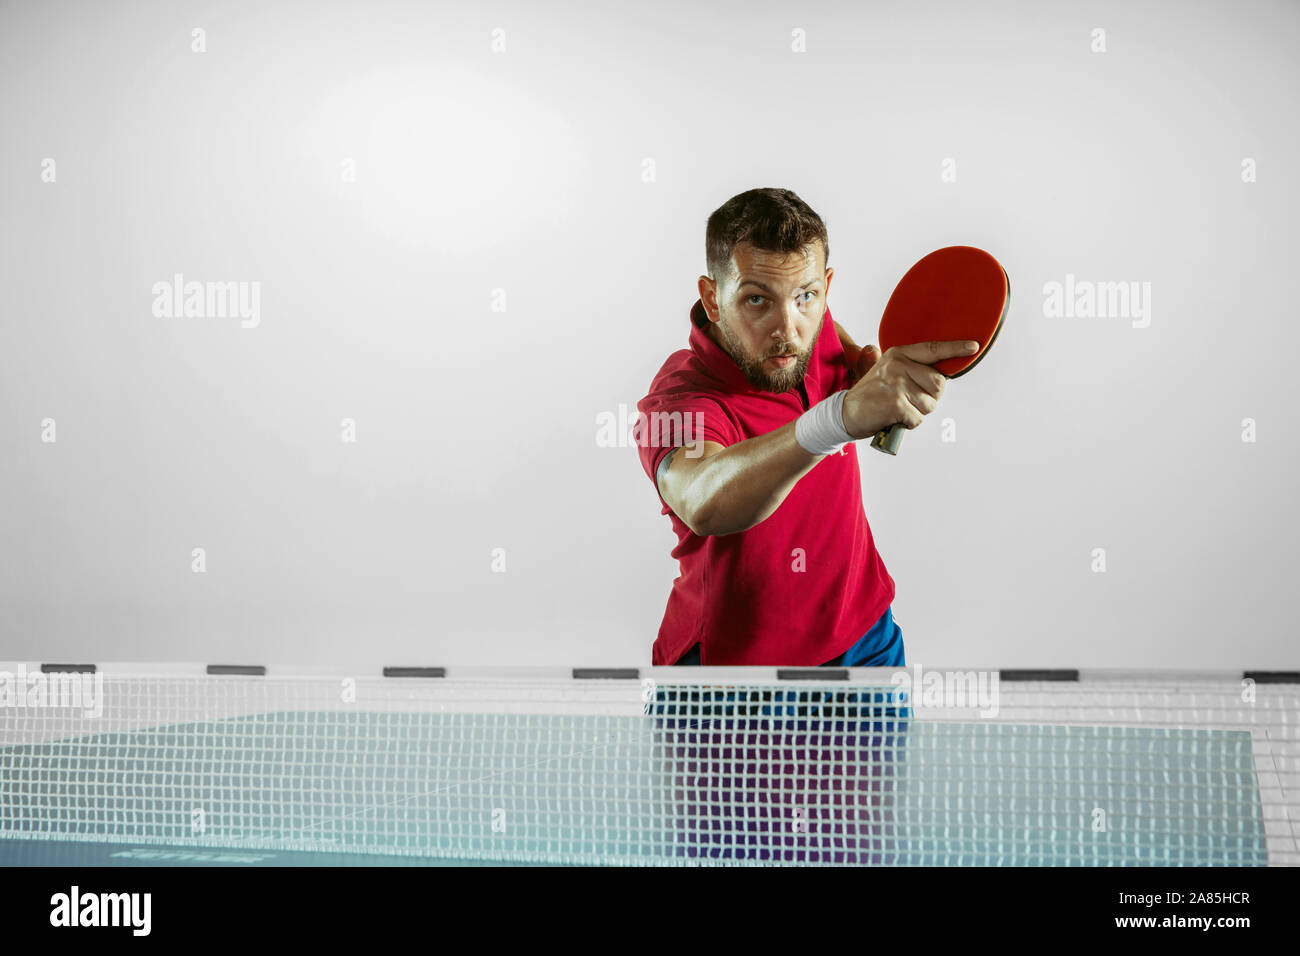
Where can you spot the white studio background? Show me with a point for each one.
(475, 229)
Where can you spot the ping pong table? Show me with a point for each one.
(173, 765)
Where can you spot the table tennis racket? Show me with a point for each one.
(954, 293)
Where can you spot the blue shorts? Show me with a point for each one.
(882, 646)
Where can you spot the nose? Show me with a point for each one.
(787, 333)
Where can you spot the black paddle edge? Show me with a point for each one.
(236, 670)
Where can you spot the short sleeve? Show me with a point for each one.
(678, 420)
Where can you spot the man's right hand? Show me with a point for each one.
(900, 388)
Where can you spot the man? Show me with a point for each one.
(778, 565)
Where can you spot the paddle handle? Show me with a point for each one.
(889, 439)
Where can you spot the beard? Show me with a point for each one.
(780, 380)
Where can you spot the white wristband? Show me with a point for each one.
(820, 430)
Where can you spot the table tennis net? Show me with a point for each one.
(710, 771)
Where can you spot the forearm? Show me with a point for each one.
(744, 484)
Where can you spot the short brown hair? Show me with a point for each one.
(774, 220)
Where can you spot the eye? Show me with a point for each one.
(750, 299)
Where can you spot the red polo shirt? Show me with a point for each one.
(797, 589)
